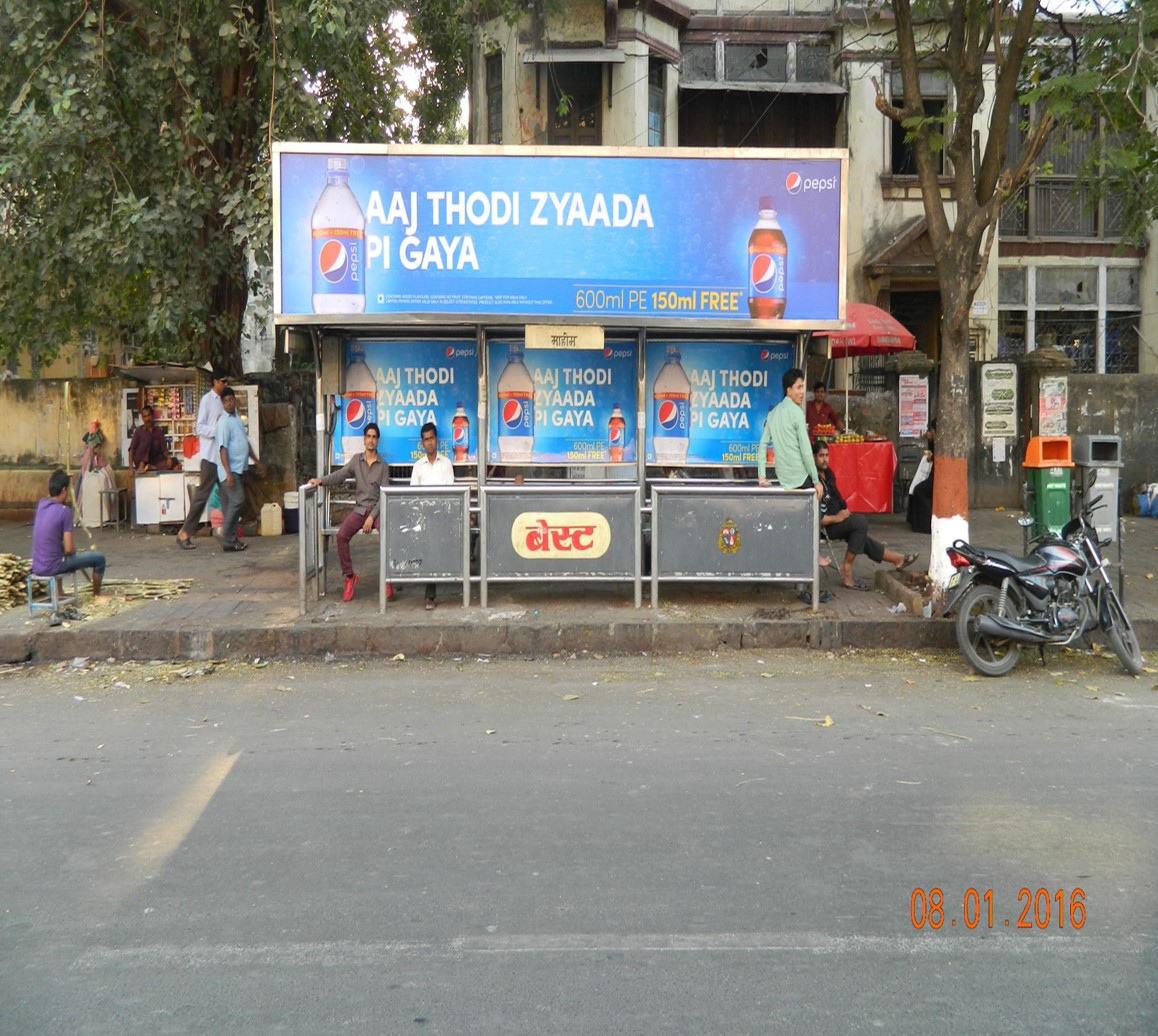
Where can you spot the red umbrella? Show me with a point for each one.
(869, 331)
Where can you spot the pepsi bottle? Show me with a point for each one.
(516, 397)
(671, 395)
(338, 228)
(767, 266)
(359, 405)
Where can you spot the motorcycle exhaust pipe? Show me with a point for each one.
(1002, 628)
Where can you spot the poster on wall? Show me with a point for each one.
(914, 405)
(998, 400)
(643, 235)
(400, 385)
(705, 402)
(561, 406)
(1051, 403)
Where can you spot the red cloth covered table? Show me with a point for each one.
(864, 474)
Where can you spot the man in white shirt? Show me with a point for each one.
(434, 469)
(209, 412)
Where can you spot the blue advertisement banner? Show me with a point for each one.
(401, 385)
(607, 236)
(706, 401)
(562, 406)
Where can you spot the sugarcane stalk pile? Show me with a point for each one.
(14, 571)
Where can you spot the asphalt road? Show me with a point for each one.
(676, 845)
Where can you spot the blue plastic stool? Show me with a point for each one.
(56, 599)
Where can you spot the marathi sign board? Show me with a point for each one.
(998, 400)
(661, 237)
(914, 405)
(1051, 406)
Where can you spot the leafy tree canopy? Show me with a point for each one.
(135, 147)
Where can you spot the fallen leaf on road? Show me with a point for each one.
(1091, 687)
(492, 731)
(971, 679)
(400, 657)
(826, 722)
(570, 697)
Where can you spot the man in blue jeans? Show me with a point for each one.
(53, 551)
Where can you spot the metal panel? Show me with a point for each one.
(733, 533)
(309, 544)
(425, 536)
(560, 533)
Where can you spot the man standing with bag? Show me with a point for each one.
(209, 410)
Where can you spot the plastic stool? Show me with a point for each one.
(56, 600)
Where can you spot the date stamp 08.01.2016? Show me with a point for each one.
(1037, 909)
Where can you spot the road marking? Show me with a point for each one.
(362, 954)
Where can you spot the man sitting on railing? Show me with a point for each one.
(370, 473)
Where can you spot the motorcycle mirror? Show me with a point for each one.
(1025, 521)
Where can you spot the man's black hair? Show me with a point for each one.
(227, 391)
(373, 427)
(57, 481)
(791, 377)
(430, 426)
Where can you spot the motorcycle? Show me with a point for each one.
(1053, 596)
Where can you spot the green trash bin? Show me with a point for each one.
(1048, 463)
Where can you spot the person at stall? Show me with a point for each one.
(819, 411)
(919, 512)
(147, 449)
(841, 524)
(370, 473)
(432, 469)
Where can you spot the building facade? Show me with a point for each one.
(805, 74)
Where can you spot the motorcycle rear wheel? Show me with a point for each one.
(1121, 636)
(988, 655)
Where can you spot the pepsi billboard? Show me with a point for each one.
(706, 402)
(562, 406)
(629, 236)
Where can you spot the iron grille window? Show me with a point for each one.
(495, 99)
(655, 104)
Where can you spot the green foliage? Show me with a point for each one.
(134, 150)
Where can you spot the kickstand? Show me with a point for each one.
(1041, 653)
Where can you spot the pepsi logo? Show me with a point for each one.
(615, 437)
(765, 273)
(668, 415)
(513, 414)
(764, 355)
(450, 352)
(357, 415)
(793, 182)
(607, 353)
(333, 261)
(461, 434)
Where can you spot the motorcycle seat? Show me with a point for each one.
(1018, 564)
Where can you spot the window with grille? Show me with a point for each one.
(495, 99)
(576, 105)
(655, 103)
(774, 61)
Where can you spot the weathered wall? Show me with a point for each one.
(1125, 406)
(37, 428)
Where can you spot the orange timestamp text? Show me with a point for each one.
(1040, 908)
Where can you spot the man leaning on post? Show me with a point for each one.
(370, 473)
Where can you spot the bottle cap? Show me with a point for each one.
(336, 165)
(765, 201)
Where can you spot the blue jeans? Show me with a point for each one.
(93, 559)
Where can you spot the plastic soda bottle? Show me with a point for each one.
(616, 435)
(516, 392)
(338, 228)
(770, 454)
(460, 434)
(767, 266)
(359, 404)
(671, 402)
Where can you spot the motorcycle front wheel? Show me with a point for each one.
(988, 655)
(1121, 635)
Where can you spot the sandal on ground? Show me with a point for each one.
(909, 559)
(856, 584)
(430, 604)
(806, 596)
(186, 544)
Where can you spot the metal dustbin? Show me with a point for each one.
(1047, 477)
(1099, 457)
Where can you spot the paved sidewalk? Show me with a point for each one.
(245, 605)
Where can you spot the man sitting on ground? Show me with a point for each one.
(841, 524)
(53, 552)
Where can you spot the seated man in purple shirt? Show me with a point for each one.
(53, 553)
